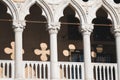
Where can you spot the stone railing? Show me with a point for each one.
(68, 70)
(105, 71)
(6, 69)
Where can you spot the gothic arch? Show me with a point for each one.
(11, 9)
(112, 13)
(46, 9)
(108, 8)
(80, 14)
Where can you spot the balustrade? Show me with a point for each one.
(36, 70)
(105, 71)
(68, 70)
(6, 69)
(71, 70)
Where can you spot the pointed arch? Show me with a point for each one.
(112, 13)
(110, 10)
(45, 8)
(11, 9)
(80, 14)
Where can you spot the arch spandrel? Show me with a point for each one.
(46, 11)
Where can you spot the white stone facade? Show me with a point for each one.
(53, 11)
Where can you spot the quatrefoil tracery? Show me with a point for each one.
(11, 51)
(43, 52)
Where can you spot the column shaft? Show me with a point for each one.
(54, 67)
(18, 54)
(54, 57)
(117, 36)
(87, 57)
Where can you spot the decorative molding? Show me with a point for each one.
(80, 10)
(53, 27)
(116, 30)
(90, 9)
(112, 3)
(85, 10)
(87, 28)
(88, 5)
(112, 11)
(19, 24)
(57, 7)
(46, 10)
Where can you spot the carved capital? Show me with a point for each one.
(54, 27)
(87, 28)
(116, 30)
(19, 25)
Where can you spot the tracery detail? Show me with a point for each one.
(43, 52)
(11, 50)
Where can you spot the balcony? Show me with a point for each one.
(36, 70)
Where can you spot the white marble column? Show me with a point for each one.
(88, 72)
(54, 68)
(18, 29)
(117, 38)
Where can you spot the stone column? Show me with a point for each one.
(54, 67)
(117, 38)
(88, 72)
(18, 29)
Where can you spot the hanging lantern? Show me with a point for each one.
(19, 1)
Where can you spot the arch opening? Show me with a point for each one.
(6, 32)
(69, 37)
(102, 39)
(35, 35)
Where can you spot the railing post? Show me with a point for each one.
(54, 67)
(18, 29)
(88, 71)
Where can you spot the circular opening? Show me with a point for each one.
(85, 0)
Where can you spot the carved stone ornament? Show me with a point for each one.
(116, 30)
(54, 27)
(19, 24)
(87, 28)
